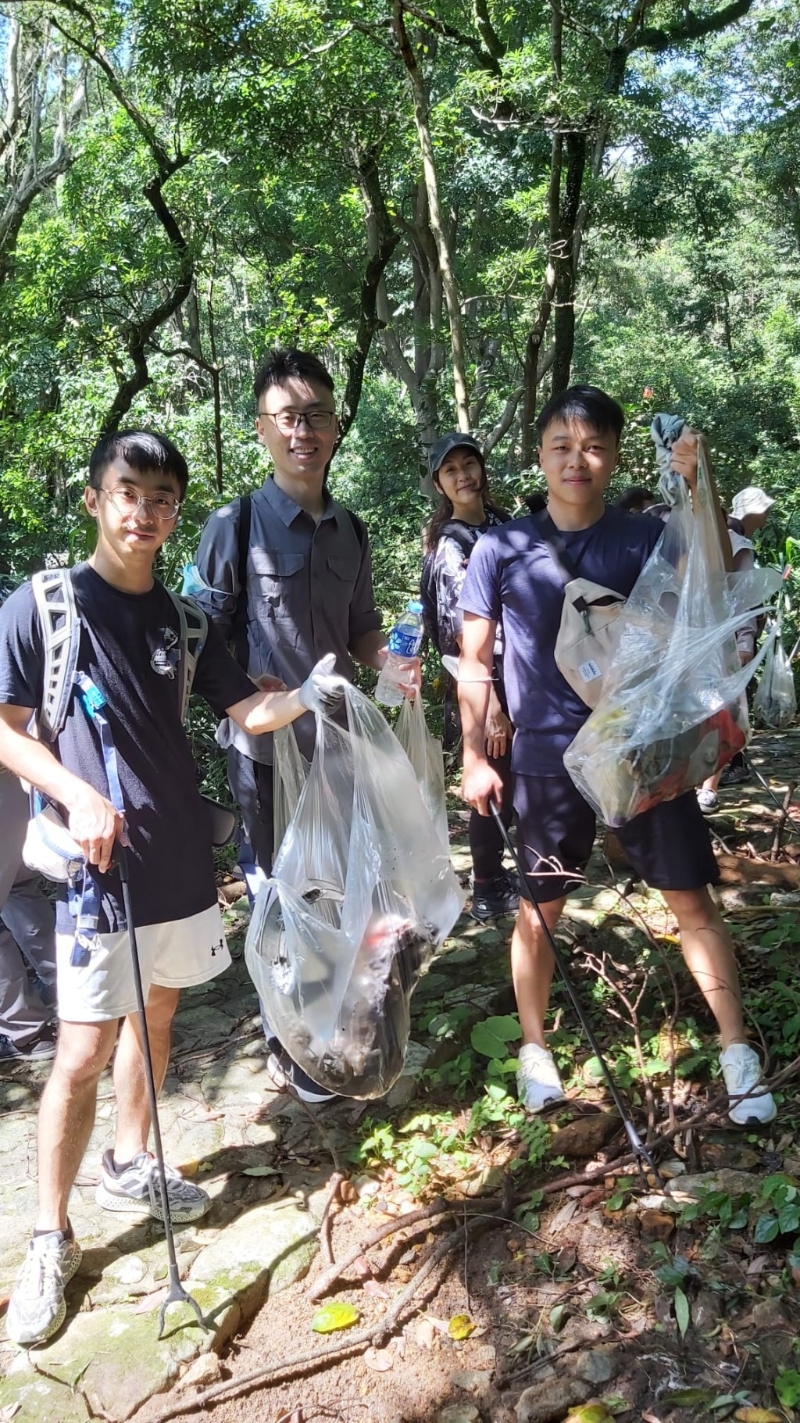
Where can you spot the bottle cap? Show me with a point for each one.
(414, 607)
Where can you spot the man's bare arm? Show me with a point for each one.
(480, 782)
(266, 711)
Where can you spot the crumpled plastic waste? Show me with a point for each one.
(775, 700)
(671, 709)
(361, 894)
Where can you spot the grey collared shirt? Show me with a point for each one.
(309, 592)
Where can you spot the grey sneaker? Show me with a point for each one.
(40, 1048)
(137, 1190)
(37, 1307)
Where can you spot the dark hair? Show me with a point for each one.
(143, 450)
(287, 363)
(443, 512)
(634, 499)
(586, 403)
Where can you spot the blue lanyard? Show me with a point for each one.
(83, 898)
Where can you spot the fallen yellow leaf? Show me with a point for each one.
(460, 1326)
(334, 1316)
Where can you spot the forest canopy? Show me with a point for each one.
(460, 205)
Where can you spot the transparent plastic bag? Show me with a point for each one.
(775, 700)
(671, 710)
(362, 892)
(424, 751)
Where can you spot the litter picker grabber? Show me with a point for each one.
(177, 1294)
(640, 1152)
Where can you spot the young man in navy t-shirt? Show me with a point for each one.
(513, 579)
(130, 649)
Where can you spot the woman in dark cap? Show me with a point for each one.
(464, 512)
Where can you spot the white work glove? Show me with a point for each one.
(323, 690)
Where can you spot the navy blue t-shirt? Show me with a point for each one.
(129, 648)
(512, 579)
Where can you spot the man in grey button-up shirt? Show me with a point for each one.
(309, 578)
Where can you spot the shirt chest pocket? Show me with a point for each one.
(276, 580)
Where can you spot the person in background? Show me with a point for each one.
(636, 500)
(27, 931)
(27, 936)
(464, 513)
(749, 512)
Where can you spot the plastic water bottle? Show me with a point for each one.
(405, 641)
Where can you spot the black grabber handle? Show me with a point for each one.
(177, 1294)
(636, 1144)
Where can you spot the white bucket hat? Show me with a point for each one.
(751, 500)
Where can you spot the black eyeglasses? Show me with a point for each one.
(126, 501)
(288, 420)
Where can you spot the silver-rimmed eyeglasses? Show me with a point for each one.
(127, 501)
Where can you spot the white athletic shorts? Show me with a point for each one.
(175, 955)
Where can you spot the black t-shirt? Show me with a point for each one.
(129, 647)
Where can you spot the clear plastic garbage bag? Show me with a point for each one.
(362, 891)
(424, 751)
(672, 710)
(775, 700)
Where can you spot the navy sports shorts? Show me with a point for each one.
(668, 846)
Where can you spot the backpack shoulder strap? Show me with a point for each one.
(359, 527)
(61, 635)
(193, 632)
(553, 542)
(239, 631)
(465, 536)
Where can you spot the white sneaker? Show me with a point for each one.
(538, 1082)
(138, 1190)
(37, 1307)
(741, 1069)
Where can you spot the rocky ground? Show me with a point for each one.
(544, 1280)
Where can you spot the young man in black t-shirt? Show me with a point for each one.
(130, 649)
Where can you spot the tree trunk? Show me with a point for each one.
(443, 246)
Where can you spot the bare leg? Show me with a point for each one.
(133, 1105)
(532, 967)
(710, 957)
(66, 1114)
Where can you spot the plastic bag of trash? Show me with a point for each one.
(424, 751)
(775, 700)
(362, 891)
(671, 709)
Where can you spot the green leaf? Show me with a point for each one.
(682, 1311)
(490, 1037)
(766, 1229)
(787, 1387)
(788, 1219)
(334, 1316)
(557, 1316)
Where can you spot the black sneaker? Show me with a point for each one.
(288, 1077)
(735, 774)
(498, 896)
(41, 1048)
